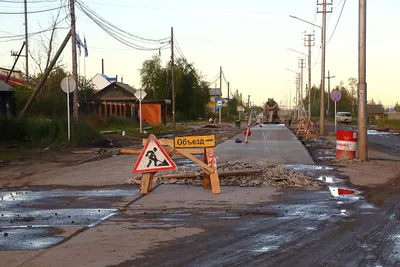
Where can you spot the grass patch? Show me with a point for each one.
(38, 132)
(386, 123)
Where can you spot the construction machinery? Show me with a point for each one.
(271, 109)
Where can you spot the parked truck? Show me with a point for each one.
(271, 109)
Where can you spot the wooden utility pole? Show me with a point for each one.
(172, 77)
(220, 94)
(329, 92)
(309, 42)
(323, 37)
(26, 43)
(362, 83)
(74, 59)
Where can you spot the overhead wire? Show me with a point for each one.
(104, 23)
(337, 22)
(31, 12)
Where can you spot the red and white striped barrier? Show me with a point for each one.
(346, 144)
(338, 191)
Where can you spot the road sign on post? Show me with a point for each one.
(336, 95)
(140, 95)
(68, 85)
(240, 109)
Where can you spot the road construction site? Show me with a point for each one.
(282, 202)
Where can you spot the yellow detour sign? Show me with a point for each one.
(203, 141)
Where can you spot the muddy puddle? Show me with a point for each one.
(32, 217)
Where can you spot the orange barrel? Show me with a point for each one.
(346, 144)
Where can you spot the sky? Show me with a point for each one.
(249, 39)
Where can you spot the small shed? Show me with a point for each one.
(375, 112)
(7, 106)
(118, 99)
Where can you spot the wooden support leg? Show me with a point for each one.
(145, 183)
(206, 176)
(215, 185)
(150, 187)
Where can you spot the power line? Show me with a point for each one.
(29, 2)
(97, 18)
(31, 12)
(337, 22)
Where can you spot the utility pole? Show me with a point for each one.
(26, 42)
(228, 92)
(329, 91)
(298, 79)
(362, 83)
(323, 37)
(220, 94)
(172, 77)
(310, 38)
(301, 66)
(248, 101)
(74, 58)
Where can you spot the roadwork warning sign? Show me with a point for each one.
(153, 158)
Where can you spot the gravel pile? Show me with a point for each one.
(271, 175)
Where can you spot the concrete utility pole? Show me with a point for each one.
(220, 94)
(172, 77)
(74, 59)
(298, 80)
(323, 36)
(228, 91)
(329, 91)
(301, 66)
(26, 42)
(362, 84)
(310, 38)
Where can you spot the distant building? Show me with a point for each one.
(100, 81)
(7, 106)
(16, 78)
(118, 99)
(215, 94)
(375, 112)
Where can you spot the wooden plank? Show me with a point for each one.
(220, 174)
(137, 151)
(201, 141)
(150, 187)
(144, 185)
(215, 185)
(206, 176)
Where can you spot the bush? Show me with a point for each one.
(394, 124)
(41, 132)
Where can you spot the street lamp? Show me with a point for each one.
(322, 89)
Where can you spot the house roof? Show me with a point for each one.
(4, 87)
(375, 109)
(108, 78)
(215, 91)
(125, 86)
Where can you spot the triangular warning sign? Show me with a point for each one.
(153, 158)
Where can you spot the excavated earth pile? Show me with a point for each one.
(270, 175)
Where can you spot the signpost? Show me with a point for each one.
(336, 95)
(140, 94)
(219, 105)
(68, 85)
(239, 109)
(204, 141)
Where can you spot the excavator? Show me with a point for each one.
(271, 109)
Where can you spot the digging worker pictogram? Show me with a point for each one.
(151, 154)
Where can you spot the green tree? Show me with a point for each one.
(397, 107)
(353, 92)
(192, 93)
